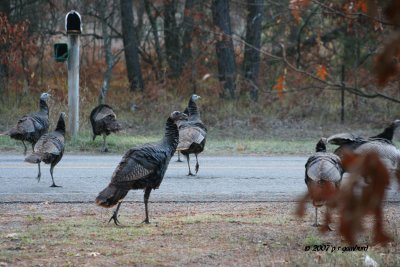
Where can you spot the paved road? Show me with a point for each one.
(220, 179)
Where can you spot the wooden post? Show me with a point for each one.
(73, 26)
(73, 84)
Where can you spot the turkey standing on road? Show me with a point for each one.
(142, 167)
(50, 147)
(192, 134)
(32, 126)
(104, 121)
(348, 141)
(323, 174)
(186, 111)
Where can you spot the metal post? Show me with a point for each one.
(73, 83)
(342, 97)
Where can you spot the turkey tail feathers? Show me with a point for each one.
(34, 158)
(110, 196)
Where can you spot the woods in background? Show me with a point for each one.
(259, 50)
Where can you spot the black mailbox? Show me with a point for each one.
(60, 52)
(73, 22)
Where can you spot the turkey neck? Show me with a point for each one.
(61, 126)
(44, 107)
(192, 107)
(171, 136)
(387, 133)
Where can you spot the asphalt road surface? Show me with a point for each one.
(82, 177)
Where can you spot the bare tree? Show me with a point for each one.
(171, 37)
(129, 37)
(188, 25)
(5, 8)
(251, 62)
(224, 46)
(154, 29)
(106, 18)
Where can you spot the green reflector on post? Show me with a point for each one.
(60, 52)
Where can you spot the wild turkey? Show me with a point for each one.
(50, 148)
(142, 167)
(387, 153)
(31, 126)
(388, 132)
(186, 111)
(348, 141)
(192, 134)
(104, 121)
(322, 176)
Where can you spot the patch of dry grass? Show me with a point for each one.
(246, 234)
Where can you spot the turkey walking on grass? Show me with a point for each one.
(50, 148)
(104, 121)
(192, 134)
(142, 167)
(32, 126)
(322, 176)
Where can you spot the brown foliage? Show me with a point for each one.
(387, 62)
(360, 194)
(296, 7)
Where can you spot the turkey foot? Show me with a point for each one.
(115, 219)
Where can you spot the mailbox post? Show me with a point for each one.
(73, 27)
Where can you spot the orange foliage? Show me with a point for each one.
(322, 72)
(15, 41)
(280, 85)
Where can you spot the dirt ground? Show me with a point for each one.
(181, 234)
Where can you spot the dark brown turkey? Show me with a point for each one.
(104, 121)
(31, 127)
(192, 134)
(50, 148)
(323, 175)
(142, 167)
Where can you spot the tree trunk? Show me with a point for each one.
(171, 37)
(187, 25)
(107, 51)
(5, 9)
(131, 46)
(251, 62)
(224, 46)
(154, 29)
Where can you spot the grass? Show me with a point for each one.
(214, 146)
(249, 234)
